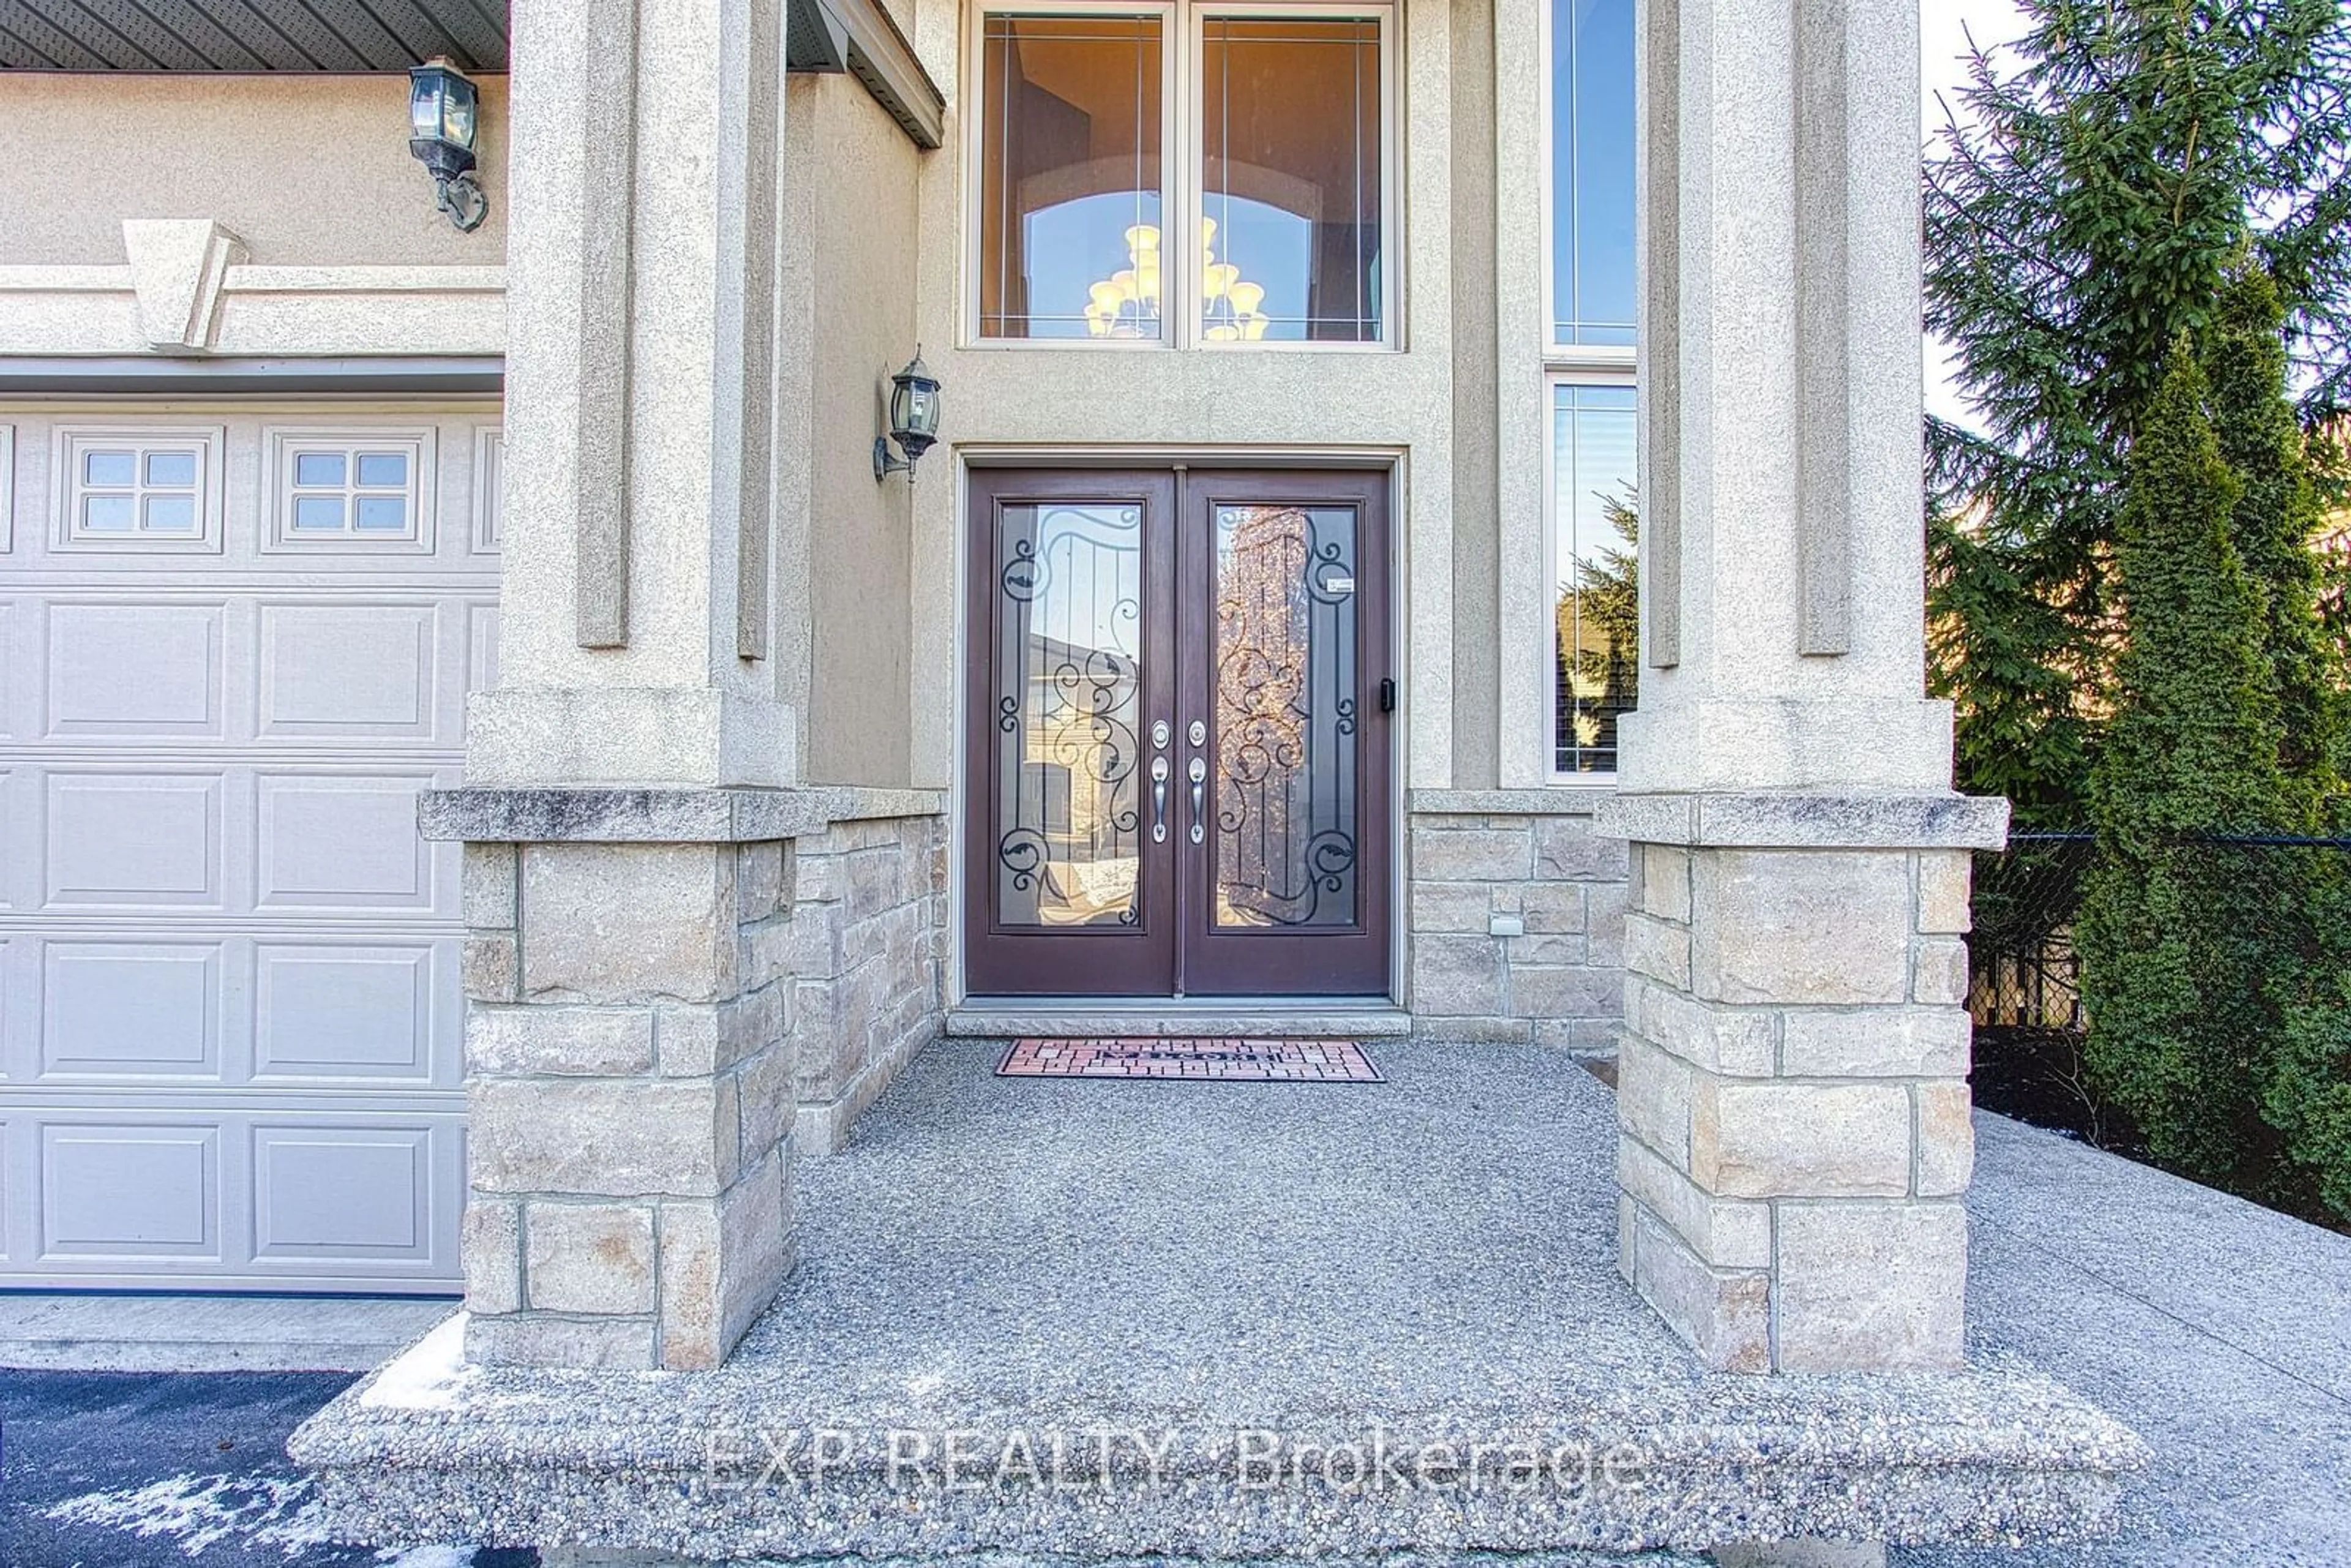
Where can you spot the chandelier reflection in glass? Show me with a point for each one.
(1127, 303)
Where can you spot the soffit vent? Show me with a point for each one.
(310, 36)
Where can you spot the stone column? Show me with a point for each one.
(627, 813)
(1794, 1116)
(629, 1063)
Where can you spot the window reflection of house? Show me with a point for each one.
(1079, 745)
(1595, 553)
(1599, 662)
(1284, 805)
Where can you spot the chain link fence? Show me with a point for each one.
(2025, 973)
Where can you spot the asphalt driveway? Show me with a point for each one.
(138, 1470)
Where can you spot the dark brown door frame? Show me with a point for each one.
(1174, 950)
(1102, 960)
(1352, 961)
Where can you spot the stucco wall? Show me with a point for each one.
(307, 170)
(857, 214)
(1477, 563)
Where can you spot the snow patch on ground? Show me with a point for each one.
(199, 1513)
(196, 1512)
(428, 1375)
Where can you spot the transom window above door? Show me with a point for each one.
(1182, 174)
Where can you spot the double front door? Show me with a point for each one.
(1178, 734)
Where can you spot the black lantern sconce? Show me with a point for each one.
(442, 104)
(914, 420)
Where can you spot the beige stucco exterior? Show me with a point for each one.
(874, 266)
(309, 171)
(852, 269)
(240, 217)
(859, 685)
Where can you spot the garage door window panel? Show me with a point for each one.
(139, 489)
(489, 469)
(7, 487)
(345, 490)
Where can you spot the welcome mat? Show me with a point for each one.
(1217, 1061)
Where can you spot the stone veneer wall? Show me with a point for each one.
(629, 1090)
(1526, 855)
(1795, 1144)
(868, 944)
(653, 1031)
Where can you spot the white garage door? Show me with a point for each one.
(234, 646)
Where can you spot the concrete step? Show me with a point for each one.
(740, 1467)
(569, 1558)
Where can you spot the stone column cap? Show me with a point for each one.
(603, 815)
(1807, 820)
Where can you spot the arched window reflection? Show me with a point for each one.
(1069, 160)
(1278, 232)
(1290, 168)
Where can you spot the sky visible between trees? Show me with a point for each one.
(1944, 28)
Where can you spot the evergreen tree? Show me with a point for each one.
(2306, 1079)
(2087, 219)
(2176, 972)
(1998, 650)
(2275, 529)
(2303, 1067)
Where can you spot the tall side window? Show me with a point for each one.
(1592, 173)
(1593, 533)
(1588, 388)
(1273, 226)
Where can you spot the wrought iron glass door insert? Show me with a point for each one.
(1177, 744)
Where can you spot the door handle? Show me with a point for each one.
(1199, 775)
(1159, 799)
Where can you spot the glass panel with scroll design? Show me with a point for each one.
(1286, 809)
(1069, 200)
(1068, 704)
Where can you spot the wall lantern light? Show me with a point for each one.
(441, 123)
(914, 420)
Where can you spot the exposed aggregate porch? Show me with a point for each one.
(1427, 1264)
